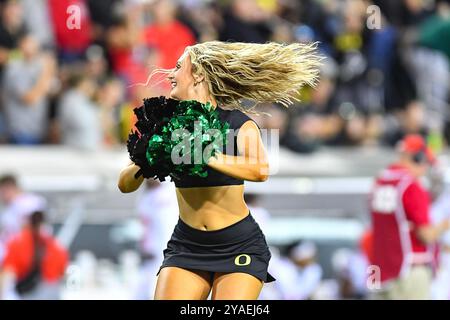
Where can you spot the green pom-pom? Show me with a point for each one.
(193, 128)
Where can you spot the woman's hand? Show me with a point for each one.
(252, 164)
(127, 180)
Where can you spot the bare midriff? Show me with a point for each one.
(212, 208)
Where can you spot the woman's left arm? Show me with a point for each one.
(252, 163)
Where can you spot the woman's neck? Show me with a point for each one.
(209, 100)
(204, 95)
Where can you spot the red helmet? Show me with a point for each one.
(416, 145)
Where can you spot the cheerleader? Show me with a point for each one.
(217, 247)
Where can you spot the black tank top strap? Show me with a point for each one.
(235, 118)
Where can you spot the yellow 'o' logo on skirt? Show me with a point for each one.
(237, 260)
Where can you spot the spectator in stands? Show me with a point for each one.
(103, 14)
(96, 64)
(409, 120)
(34, 265)
(72, 28)
(315, 122)
(126, 46)
(17, 207)
(120, 41)
(203, 18)
(79, 117)
(27, 83)
(110, 98)
(37, 21)
(166, 34)
(11, 28)
(246, 22)
(437, 27)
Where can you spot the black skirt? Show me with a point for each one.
(240, 247)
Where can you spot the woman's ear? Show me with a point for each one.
(199, 77)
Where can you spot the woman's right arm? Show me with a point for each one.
(127, 182)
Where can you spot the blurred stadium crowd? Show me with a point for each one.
(72, 76)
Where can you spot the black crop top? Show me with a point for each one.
(215, 178)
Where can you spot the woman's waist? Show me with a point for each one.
(211, 193)
(211, 217)
(209, 205)
(244, 228)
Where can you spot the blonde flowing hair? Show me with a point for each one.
(263, 73)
